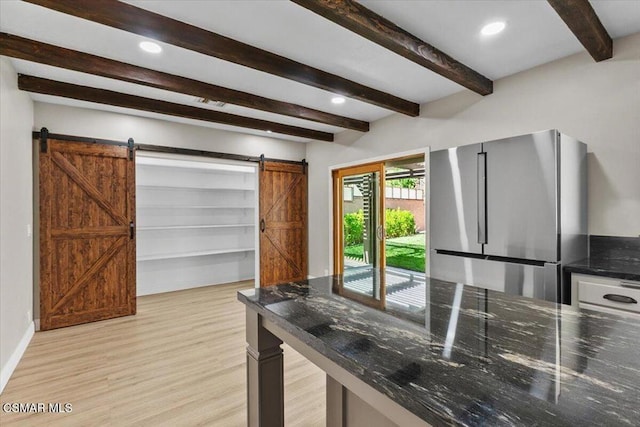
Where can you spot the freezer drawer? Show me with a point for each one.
(454, 199)
(512, 278)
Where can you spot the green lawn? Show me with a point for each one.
(402, 252)
(413, 240)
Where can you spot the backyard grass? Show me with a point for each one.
(413, 240)
(402, 252)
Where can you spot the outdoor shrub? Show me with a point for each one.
(353, 227)
(399, 223)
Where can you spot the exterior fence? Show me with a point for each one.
(408, 199)
(404, 193)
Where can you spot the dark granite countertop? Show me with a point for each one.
(617, 257)
(471, 356)
(615, 268)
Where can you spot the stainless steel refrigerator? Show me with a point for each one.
(507, 214)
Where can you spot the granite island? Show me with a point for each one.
(469, 356)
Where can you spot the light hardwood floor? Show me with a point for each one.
(179, 362)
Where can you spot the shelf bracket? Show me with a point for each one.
(44, 145)
(262, 162)
(130, 145)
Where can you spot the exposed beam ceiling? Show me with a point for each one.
(103, 96)
(158, 27)
(585, 24)
(178, 75)
(357, 18)
(30, 50)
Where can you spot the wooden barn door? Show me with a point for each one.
(87, 239)
(283, 223)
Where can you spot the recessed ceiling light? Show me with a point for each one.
(269, 131)
(338, 100)
(150, 47)
(493, 28)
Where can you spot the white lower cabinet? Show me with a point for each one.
(195, 222)
(607, 294)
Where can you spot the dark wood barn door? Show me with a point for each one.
(283, 223)
(87, 240)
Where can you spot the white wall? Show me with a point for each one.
(120, 127)
(598, 103)
(16, 249)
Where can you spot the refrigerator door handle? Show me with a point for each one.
(482, 198)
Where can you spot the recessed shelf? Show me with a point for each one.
(186, 227)
(192, 254)
(192, 207)
(185, 187)
(196, 216)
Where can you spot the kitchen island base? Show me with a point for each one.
(350, 401)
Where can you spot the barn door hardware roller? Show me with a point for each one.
(131, 148)
(44, 134)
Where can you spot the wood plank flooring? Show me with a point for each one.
(179, 362)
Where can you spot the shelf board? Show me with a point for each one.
(213, 167)
(192, 207)
(199, 170)
(192, 254)
(183, 187)
(182, 227)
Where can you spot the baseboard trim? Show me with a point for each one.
(12, 363)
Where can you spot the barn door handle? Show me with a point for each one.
(132, 229)
(262, 225)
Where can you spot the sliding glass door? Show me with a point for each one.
(359, 248)
(380, 232)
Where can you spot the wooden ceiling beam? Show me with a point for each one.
(158, 27)
(43, 53)
(108, 97)
(586, 26)
(368, 24)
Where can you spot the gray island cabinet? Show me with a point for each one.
(468, 357)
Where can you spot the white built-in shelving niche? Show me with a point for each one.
(196, 220)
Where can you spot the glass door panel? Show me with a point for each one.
(405, 237)
(380, 233)
(360, 241)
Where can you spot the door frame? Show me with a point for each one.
(338, 232)
(383, 158)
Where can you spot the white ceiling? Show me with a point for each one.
(534, 35)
